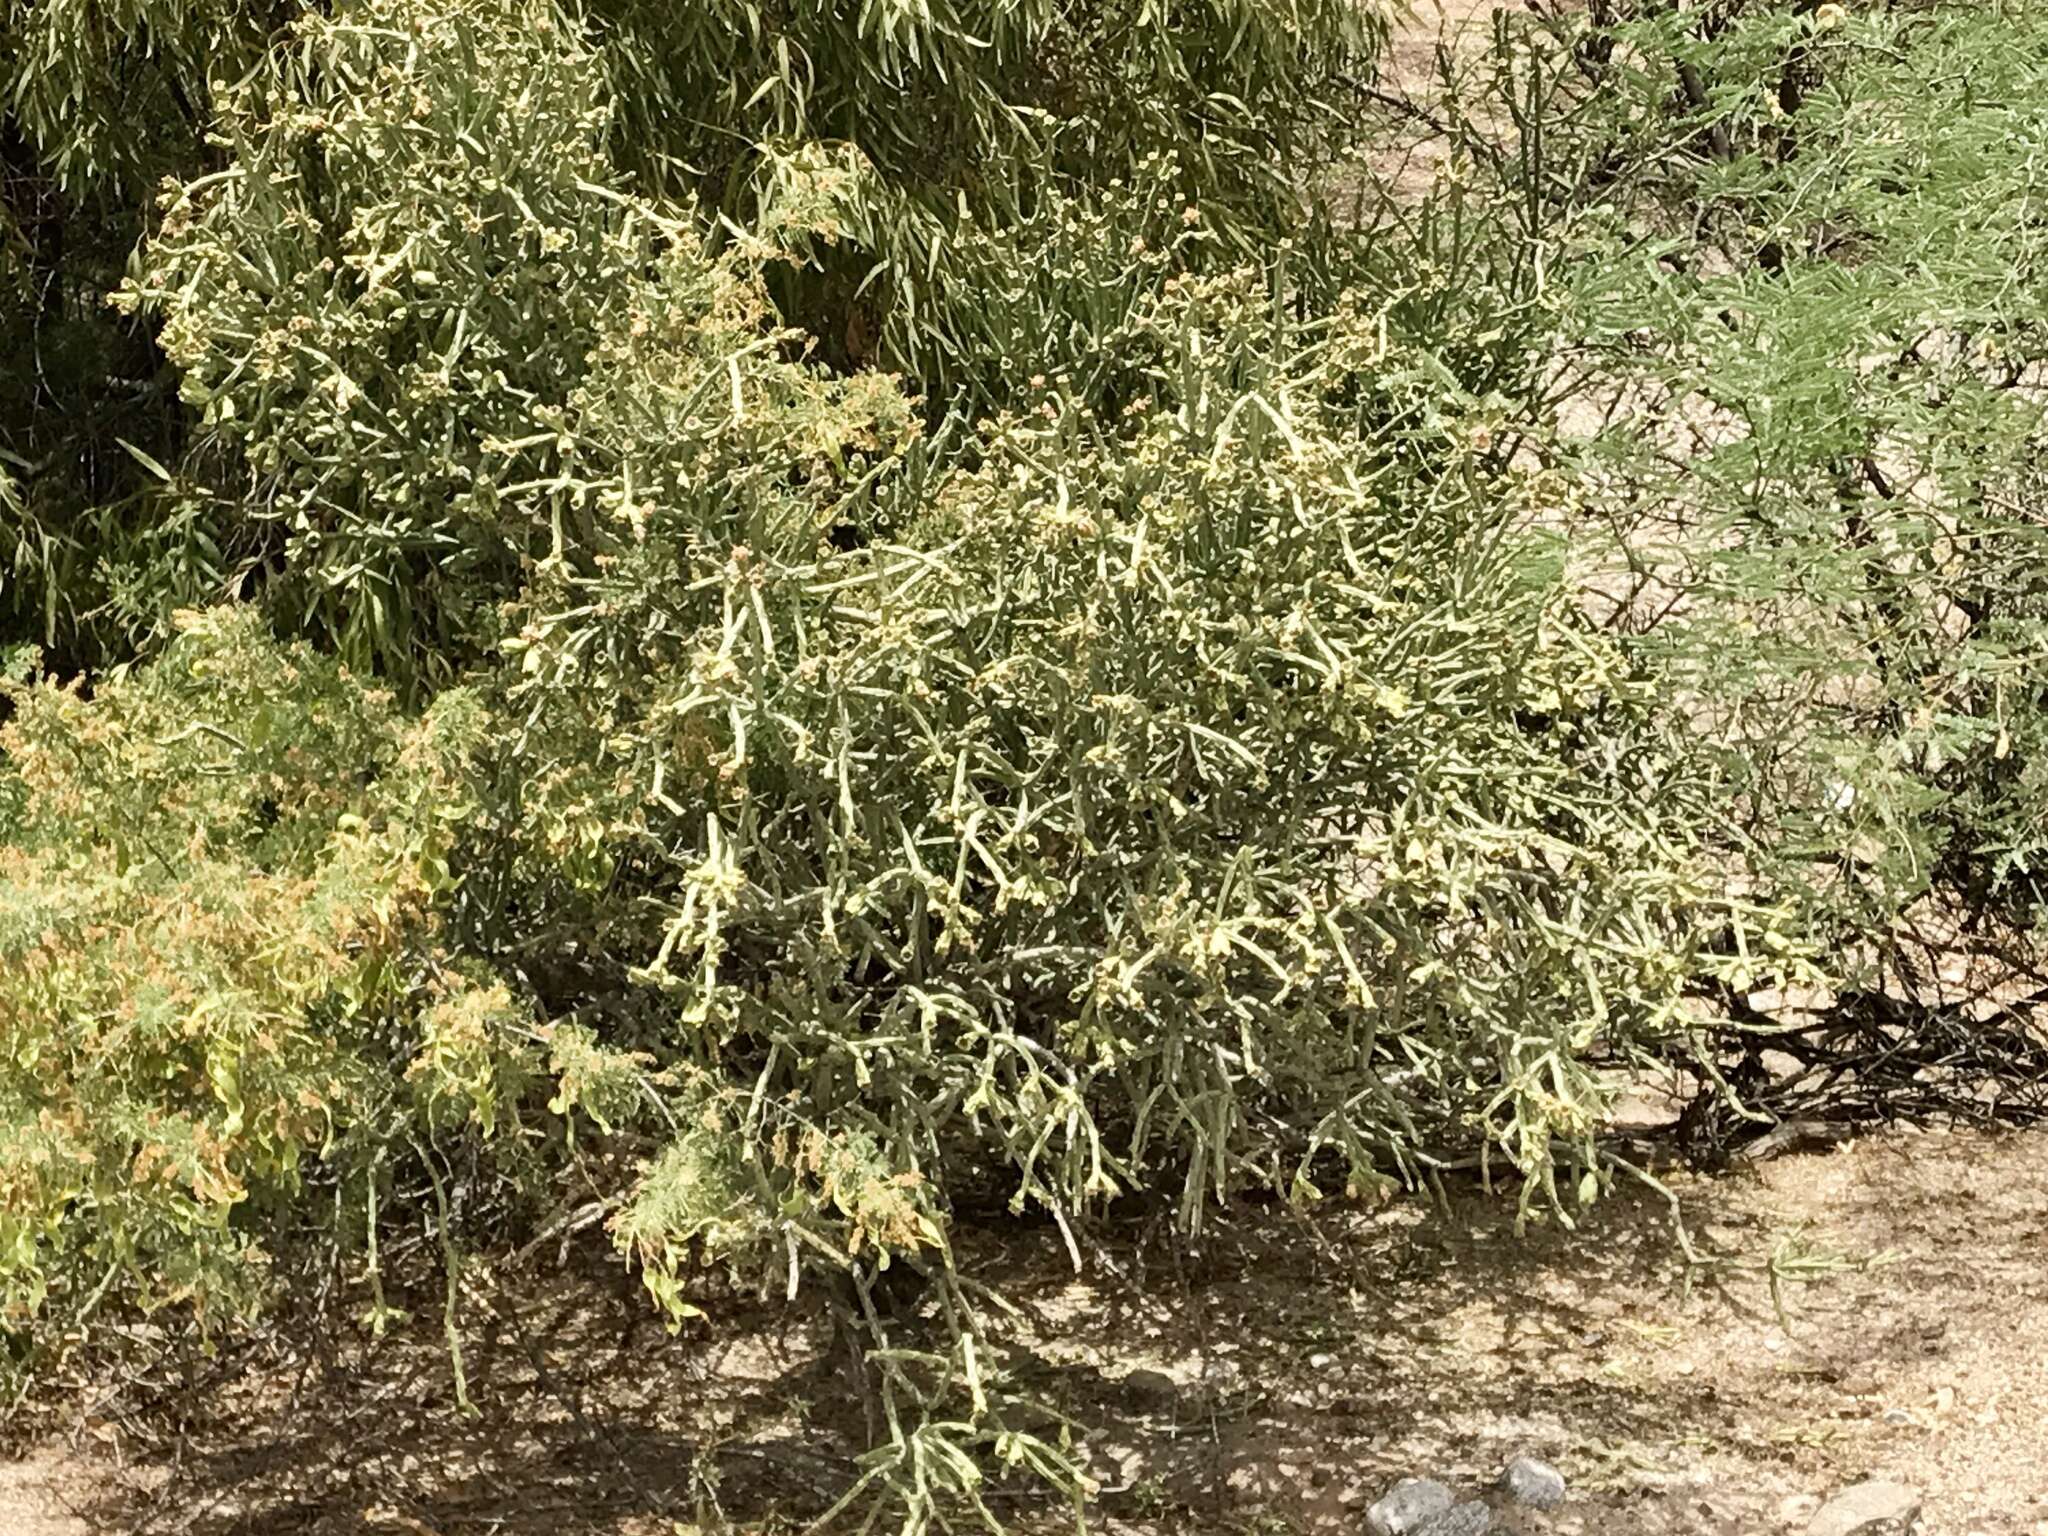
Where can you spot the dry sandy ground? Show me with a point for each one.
(1409, 63)
(39, 1493)
(1271, 1385)
(1412, 156)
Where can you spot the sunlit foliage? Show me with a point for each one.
(814, 623)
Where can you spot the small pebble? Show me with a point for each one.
(1874, 1508)
(1408, 1506)
(1535, 1483)
(1149, 1383)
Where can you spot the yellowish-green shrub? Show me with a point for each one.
(217, 943)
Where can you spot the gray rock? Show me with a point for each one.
(1535, 1483)
(1155, 1386)
(1408, 1506)
(1875, 1508)
(1471, 1519)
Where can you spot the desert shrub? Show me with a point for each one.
(1221, 793)
(97, 102)
(1056, 296)
(443, 235)
(1194, 782)
(1862, 363)
(378, 308)
(853, 147)
(218, 968)
(1797, 427)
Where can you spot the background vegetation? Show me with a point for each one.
(820, 623)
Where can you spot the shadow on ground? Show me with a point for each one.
(1273, 1379)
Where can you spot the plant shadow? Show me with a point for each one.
(1278, 1372)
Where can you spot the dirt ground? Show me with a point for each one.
(1272, 1384)
(1410, 153)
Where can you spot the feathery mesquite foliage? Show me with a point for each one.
(1801, 436)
